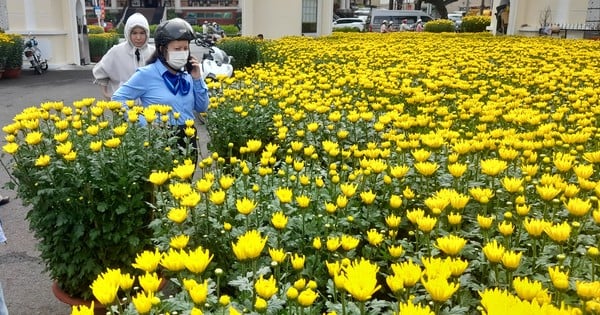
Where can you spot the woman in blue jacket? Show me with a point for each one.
(171, 77)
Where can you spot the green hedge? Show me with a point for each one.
(95, 29)
(440, 26)
(245, 51)
(475, 23)
(347, 30)
(101, 43)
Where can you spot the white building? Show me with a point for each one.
(575, 18)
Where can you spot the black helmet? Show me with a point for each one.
(173, 29)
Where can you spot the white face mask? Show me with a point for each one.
(177, 59)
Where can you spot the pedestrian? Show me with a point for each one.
(419, 26)
(205, 28)
(172, 77)
(390, 27)
(384, 28)
(121, 61)
(404, 27)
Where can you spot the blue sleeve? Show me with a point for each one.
(133, 89)
(200, 96)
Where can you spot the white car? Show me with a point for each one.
(354, 23)
(457, 19)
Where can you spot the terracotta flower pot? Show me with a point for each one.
(99, 309)
(11, 73)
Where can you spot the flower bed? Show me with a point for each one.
(401, 178)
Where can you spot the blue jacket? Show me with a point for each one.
(148, 85)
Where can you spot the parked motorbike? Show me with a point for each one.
(34, 55)
(215, 61)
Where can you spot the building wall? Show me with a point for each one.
(275, 18)
(524, 15)
(3, 15)
(272, 18)
(53, 23)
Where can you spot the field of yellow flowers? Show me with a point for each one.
(398, 174)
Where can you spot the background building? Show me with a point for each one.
(575, 18)
(58, 25)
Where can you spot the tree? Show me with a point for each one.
(440, 6)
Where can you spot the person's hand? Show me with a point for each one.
(196, 69)
(105, 92)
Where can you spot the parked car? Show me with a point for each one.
(354, 23)
(457, 19)
(411, 16)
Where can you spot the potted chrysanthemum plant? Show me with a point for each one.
(83, 171)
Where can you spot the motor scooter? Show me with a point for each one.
(215, 61)
(34, 55)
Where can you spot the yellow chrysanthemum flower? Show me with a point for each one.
(249, 245)
(361, 279)
(265, 288)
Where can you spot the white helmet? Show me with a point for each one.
(384, 22)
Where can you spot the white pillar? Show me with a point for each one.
(345, 4)
(512, 17)
(30, 17)
(3, 15)
(561, 12)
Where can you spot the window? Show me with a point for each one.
(309, 16)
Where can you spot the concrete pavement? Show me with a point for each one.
(27, 288)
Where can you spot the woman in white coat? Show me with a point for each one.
(122, 60)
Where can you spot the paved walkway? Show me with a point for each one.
(27, 288)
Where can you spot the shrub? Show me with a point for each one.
(95, 29)
(231, 30)
(197, 28)
(347, 30)
(87, 190)
(6, 43)
(475, 23)
(152, 29)
(440, 26)
(13, 50)
(244, 50)
(101, 43)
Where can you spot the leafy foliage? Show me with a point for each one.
(89, 206)
(244, 50)
(440, 26)
(475, 23)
